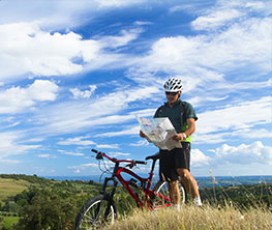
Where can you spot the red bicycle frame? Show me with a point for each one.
(129, 185)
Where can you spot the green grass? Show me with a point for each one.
(9, 221)
(11, 187)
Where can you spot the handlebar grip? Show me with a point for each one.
(94, 150)
(140, 162)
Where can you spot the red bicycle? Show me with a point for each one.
(101, 210)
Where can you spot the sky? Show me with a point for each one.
(74, 75)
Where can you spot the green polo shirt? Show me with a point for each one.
(177, 116)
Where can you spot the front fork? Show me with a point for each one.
(105, 185)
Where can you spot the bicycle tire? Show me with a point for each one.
(96, 213)
(162, 187)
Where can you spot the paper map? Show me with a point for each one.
(159, 131)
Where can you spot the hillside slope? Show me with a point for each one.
(11, 187)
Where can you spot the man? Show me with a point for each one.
(176, 163)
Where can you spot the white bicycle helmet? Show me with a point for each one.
(173, 85)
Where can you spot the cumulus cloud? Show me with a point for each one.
(198, 158)
(77, 93)
(205, 58)
(26, 48)
(17, 99)
(256, 152)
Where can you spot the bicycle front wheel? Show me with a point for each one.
(96, 213)
(162, 187)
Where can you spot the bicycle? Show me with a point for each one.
(101, 210)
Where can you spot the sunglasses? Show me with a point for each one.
(171, 93)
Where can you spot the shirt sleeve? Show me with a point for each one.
(157, 113)
(190, 112)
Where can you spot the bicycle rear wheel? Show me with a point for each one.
(162, 187)
(96, 213)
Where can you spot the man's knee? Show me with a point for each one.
(172, 183)
(183, 173)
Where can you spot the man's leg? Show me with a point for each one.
(190, 184)
(174, 192)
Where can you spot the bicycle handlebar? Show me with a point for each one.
(100, 155)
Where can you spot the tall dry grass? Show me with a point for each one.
(191, 217)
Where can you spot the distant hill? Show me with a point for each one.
(203, 182)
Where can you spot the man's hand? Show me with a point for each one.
(179, 137)
(142, 134)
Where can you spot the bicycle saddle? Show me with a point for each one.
(153, 157)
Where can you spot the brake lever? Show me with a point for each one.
(131, 165)
(99, 156)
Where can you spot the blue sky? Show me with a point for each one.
(75, 74)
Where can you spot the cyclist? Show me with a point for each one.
(176, 163)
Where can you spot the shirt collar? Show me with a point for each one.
(178, 102)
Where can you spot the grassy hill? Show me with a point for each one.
(11, 187)
(36, 203)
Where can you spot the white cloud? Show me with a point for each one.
(77, 93)
(47, 156)
(118, 154)
(225, 12)
(198, 158)
(61, 13)
(107, 146)
(123, 39)
(28, 49)
(117, 3)
(221, 52)
(236, 117)
(216, 19)
(83, 141)
(43, 90)
(134, 130)
(139, 143)
(11, 144)
(69, 153)
(17, 99)
(72, 116)
(243, 154)
(25, 48)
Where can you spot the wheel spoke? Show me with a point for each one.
(96, 214)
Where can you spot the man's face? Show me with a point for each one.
(172, 97)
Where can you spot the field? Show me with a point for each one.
(191, 217)
(11, 187)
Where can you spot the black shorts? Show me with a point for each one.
(170, 161)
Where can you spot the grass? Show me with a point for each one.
(11, 187)
(191, 217)
(9, 221)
